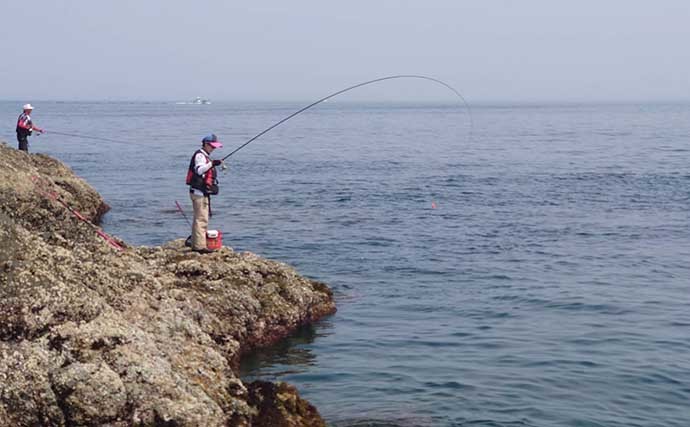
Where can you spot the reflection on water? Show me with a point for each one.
(290, 356)
(294, 355)
(398, 422)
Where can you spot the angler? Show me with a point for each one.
(203, 183)
(25, 127)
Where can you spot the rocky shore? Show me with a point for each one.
(146, 336)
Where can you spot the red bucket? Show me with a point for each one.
(214, 239)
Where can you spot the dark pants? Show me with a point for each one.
(23, 143)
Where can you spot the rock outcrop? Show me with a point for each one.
(90, 335)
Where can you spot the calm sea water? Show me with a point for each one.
(533, 274)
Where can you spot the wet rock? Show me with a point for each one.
(279, 405)
(145, 336)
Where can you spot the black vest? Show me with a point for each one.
(206, 183)
(21, 132)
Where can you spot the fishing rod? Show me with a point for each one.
(401, 76)
(85, 136)
(41, 186)
(188, 240)
(179, 208)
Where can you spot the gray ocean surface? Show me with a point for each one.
(533, 273)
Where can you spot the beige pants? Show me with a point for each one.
(200, 223)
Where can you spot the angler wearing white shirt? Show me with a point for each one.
(202, 181)
(25, 127)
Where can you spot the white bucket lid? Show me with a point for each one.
(212, 234)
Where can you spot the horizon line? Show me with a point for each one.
(480, 103)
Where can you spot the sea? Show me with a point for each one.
(508, 265)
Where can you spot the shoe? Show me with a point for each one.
(203, 251)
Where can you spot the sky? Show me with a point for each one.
(489, 50)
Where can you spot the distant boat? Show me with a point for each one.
(196, 101)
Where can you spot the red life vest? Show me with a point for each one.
(206, 183)
(24, 125)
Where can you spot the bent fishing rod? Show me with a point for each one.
(401, 76)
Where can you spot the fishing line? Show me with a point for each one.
(85, 136)
(402, 76)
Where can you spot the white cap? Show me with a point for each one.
(28, 107)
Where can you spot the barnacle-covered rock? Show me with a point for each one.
(90, 335)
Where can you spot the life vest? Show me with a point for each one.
(206, 183)
(23, 125)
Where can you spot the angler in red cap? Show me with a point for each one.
(25, 127)
(202, 181)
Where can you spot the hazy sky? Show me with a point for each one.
(490, 50)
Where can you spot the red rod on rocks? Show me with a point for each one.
(54, 196)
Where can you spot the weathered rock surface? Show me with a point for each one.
(146, 336)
